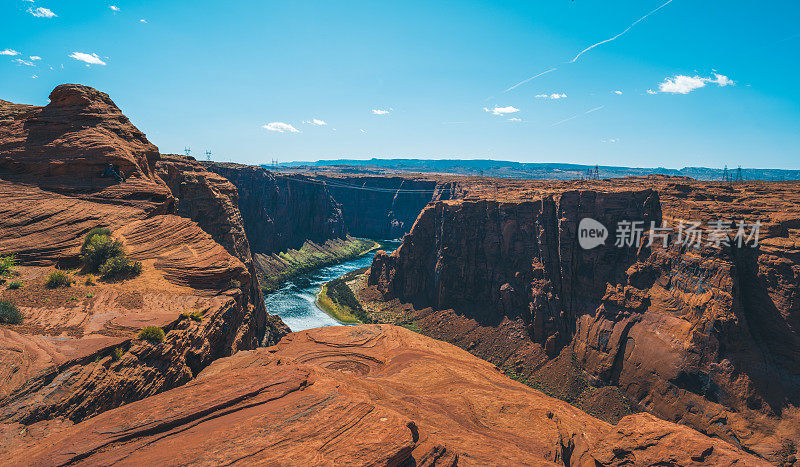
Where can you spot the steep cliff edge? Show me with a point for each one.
(508, 282)
(213, 202)
(384, 207)
(282, 211)
(76, 353)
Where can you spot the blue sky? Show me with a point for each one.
(700, 83)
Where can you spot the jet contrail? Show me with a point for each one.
(620, 34)
(532, 77)
(576, 116)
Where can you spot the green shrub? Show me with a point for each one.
(193, 315)
(103, 231)
(97, 249)
(120, 267)
(152, 334)
(13, 285)
(58, 279)
(118, 353)
(9, 313)
(7, 263)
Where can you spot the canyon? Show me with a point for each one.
(489, 275)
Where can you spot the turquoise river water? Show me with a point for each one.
(295, 301)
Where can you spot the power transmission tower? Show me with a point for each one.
(208, 155)
(739, 174)
(188, 151)
(725, 175)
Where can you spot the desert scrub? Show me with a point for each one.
(58, 279)
(89, 280)
(98, 248)
(192, 315)
(152, 334)
(7, 264)
(13, 285)
(103, 254)
(9, 313)
(117, 353)
(120, 267)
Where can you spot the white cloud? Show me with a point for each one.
(650, 91)
(362, 130)
(722, 80)
(682, 84)
(514, 119)
(90, 59)
(315, 121)
(35, 76)
(619, 93)
(113, 8)
(502, 110)
(41, 12)
(10, 52)
(553, 96)
(35, 57)
(24, 62)
(281, 127)
(610, 140)
(380, 111)
(143, 20)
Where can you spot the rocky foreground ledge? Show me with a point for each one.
(366, 395)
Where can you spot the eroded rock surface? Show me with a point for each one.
(367, 395)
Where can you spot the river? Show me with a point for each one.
(295, 301)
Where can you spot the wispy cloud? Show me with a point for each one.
(10, 52)
(682, 84)
(514, 119)
(280, 127)
(502, 110)
(315, 121)
(35, 57)
(532, 77)
(593, 46)
(381, 111)
(650, 91)
(553, 96)
(578, 115)
(362, 130)
(89, 59)
(619, 93)
(143, 21)
(620, 34)
(610, 140)
(20, 61)
(41, 12)
(113, 8)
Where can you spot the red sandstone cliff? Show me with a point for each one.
(59, 365)
(507, 281)
(282, 211)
